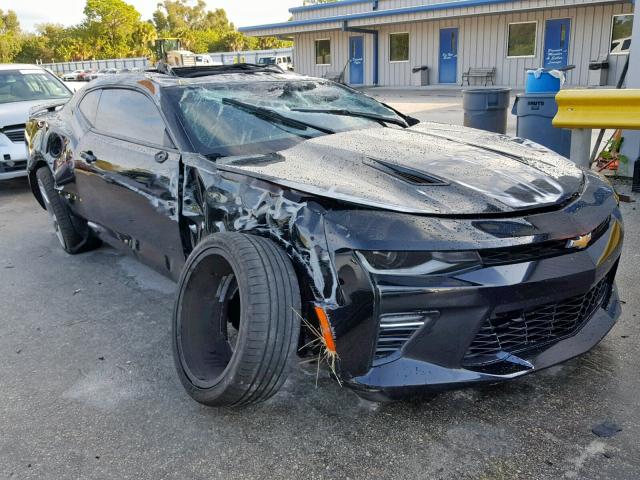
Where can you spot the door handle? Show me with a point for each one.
(161, 156)
(88, 156)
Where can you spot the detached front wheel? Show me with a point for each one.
(235, 320)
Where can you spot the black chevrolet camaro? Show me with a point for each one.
(416, 257)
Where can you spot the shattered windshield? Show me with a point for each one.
(223, 119)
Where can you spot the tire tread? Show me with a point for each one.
(271, 324)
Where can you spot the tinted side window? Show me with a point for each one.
(89, 105)
(130, 114)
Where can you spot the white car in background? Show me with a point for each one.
(206, 60)
(102, 72)
(22, 87)
(72, 76)
(285, 62)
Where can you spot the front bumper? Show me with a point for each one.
(457, 307)
(436, 357)
(407, 376)
(13, 159)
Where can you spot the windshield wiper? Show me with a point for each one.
(273, 116)
(353, 113)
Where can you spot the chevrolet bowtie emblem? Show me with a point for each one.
(580, 242)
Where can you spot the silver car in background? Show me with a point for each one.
(102, 72)
(22, 87)
(72, 76)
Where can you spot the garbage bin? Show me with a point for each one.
(535, 114)
(424, 75)
(542, 81)
(598, 73)
(486, 108)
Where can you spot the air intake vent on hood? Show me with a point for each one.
(414, 177)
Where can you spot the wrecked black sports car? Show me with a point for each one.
(422, 256)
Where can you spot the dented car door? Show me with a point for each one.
(130, 159)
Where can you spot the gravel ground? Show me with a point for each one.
(88, 390)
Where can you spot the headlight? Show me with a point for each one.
(417, 263)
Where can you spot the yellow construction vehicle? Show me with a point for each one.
(169, 53)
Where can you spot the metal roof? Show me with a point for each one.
(453, 4)
(373, 13)
(319, 6)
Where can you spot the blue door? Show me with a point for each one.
(356, 60)
(448, 65)
(556, 43)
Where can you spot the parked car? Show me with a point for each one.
(417, 256)
(97, 74)
(72, 76)
(102, 72)
(206, 60)
(283, 61)
(621, 45)
(21, 88)
(85, 76)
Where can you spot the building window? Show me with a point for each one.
(621, 34)
(323, 52)
(521, 41)
(399, 47)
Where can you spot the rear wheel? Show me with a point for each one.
(72, 232)
(235, 323)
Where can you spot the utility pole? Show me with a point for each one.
(631, 144)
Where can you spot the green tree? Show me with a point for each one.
(113, 28)
(201, 30)
(10, 39)
(142, 39)
(56, 40)
(33, 47)
(174, 16)
(234, 41)
(115, 23)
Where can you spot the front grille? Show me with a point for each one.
(535, 251)
(16, 136)
(523, 253)
(17, 166)
(530, 329)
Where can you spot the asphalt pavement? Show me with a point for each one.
(88, 390)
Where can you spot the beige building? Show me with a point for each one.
(384, 42)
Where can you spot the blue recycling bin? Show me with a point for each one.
(543, 83)
(535, 112)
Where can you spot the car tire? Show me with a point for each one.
(235, 321)
(73, 233)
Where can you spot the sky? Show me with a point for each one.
(68, 12)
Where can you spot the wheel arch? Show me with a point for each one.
(234, 202)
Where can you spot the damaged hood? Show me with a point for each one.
(430, 169)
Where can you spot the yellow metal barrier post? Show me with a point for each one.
(584, 110)
(631, 145)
